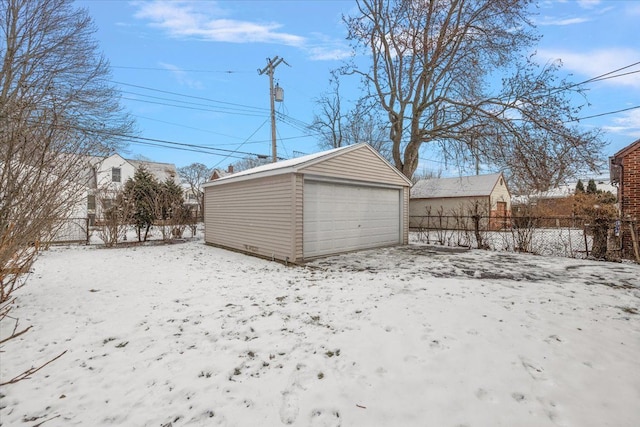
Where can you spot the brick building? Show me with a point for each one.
(625, 172)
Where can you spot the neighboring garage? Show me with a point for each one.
(340, 200)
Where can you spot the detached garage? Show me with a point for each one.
(336, 201)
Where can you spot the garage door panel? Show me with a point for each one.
(339, 217)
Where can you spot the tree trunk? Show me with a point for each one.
(600, 228)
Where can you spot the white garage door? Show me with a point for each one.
(340, 218)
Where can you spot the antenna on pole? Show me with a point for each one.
(269, 69)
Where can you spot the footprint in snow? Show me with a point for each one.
(535, 372)
(320, 418)
(289, 408)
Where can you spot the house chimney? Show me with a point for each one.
(230, 170)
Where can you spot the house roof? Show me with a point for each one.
(464, 186)
(567, 190)
(294, 165)
(627, 149)
(160, 170)
(221, 173)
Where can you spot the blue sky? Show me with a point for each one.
(188, 70)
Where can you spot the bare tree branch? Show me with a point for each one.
(27, 374)
(433, 70)
(57, 108)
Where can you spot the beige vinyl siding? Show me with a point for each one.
(298, 217)
(360, 164)
(449, 207)
(500, 193)
(405, 216)
(252, 216)
(363, 165)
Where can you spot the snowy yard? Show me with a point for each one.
(188, 334)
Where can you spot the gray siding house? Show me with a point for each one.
(335, 201)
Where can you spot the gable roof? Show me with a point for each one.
(298, 163)
(627, 149)
(464, 186)
(161, 171)
(218, 173)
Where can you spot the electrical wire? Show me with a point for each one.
(186, 96)
(300, 125)
(226, 110)
(604, 114)
(178, 70)
(186, 107)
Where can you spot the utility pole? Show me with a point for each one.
(269, 69)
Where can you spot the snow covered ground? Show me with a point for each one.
(187, 334)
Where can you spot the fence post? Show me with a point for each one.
(634, 240)
(586, 241)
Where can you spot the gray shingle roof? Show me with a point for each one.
(161, 171)
(464, 186)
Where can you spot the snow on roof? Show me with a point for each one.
(290, 165)
(161, 171)
(463, 186)
(286, 164)
(566, 190)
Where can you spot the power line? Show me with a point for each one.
(185, 126)
(186, 96)
(602, 76)
(227, 109)
(225, 158)
(617, 75)
(155, 141)
(151, 144)
(172, 143)
(604, 114)
(186, 107)
(178, 70)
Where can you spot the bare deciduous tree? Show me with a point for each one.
(194, 176)
(56, 107)
(114, 214)
(250, 162)
(328, 123)
(338, 127)
(433, 63)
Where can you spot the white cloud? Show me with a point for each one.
(182, 76)
(328, 53)
(588, 4)
(591, 11)
(551, 20)
(598, 62)
(206, 22)
(627, 123)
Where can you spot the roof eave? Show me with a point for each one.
(626, 149)
(302, 165)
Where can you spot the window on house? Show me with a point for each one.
(91, 202)
(115, 174)
(107, 203)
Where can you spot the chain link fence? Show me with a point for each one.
(602, 238)
(69, 230)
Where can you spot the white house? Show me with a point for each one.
(109, 174)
